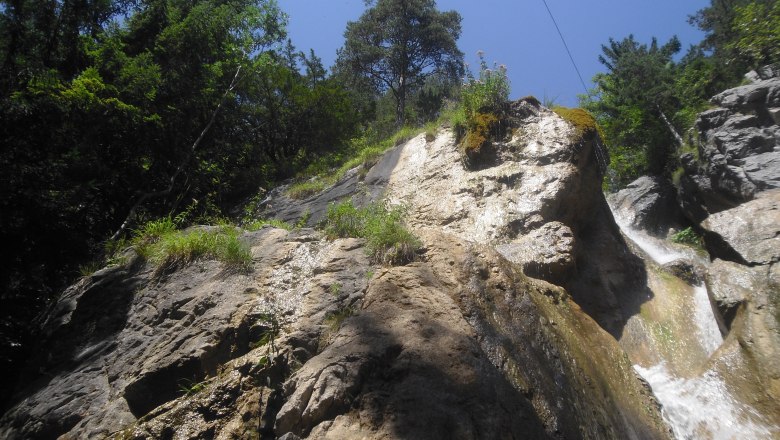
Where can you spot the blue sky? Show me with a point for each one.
(518, 34)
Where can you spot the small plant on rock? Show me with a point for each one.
(687, 236)
(387, 239)
(484, 102)
(162, 244)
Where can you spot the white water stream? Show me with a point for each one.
(699, 407)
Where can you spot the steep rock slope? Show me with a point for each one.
(316, 343)
(739, 149)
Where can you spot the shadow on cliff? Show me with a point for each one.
(417, 394)
(610, 283)
(408, 366)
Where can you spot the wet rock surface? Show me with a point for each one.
(739, 150)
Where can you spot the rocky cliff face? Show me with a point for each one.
(491, 334)
(739, 149)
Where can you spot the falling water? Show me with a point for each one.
(701, 406)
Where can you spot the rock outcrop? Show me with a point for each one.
(744, 285)
(739, 150)
(648, 204)
(314, 342)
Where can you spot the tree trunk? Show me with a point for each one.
(400, 110)
(671, 128)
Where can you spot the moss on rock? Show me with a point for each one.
(585, 125)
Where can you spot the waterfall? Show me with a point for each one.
(702, 407)
(696, 404)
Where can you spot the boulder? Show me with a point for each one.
(729, 286)
(686, 270)
(316, 343)
(749, 233)
(123, 342)
(546, 253)
(648, 204)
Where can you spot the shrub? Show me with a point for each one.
(488, 92)
(484, 102)
(687, 236)
(387, 239)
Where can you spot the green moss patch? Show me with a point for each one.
(585, 126)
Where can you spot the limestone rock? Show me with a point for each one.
(749, 233)
(122, 342)
(739, 150)
(686, 270)
(729, 285)
(462, 347)
(546, 253)
(313, 344)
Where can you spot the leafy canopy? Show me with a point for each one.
(397, 44)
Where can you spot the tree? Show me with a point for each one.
(397, 44)
(730, 27)
(756, 30)
(634, 102)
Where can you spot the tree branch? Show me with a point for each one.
(182, 164)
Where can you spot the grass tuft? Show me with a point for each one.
(361, 152)
(169, 248)
(387, 239)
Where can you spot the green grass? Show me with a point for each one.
(256, 225)
(361, 152)
(335, 319)
(169, 248)
(387, 239)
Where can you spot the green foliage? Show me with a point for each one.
(479, 132)
(335, 289)
(483, 104)
(739, 36)
(687, 236)
(190, 387)
(396, 45)
(630, 104)
(256, 225)
(334, 320)
(359, 152)
(387, 240)
(301, 190)
(756, 26)
(153, 231)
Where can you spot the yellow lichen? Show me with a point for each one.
(585, 125)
